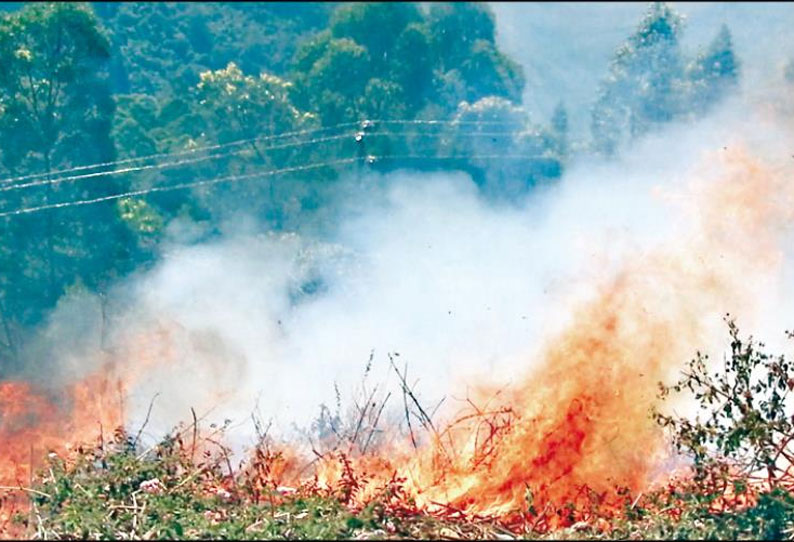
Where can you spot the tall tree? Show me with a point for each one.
(254, 109)
(506, 154)
(376, 26)
(161, 47)
(55, 112)
(338, 72)
(53, 88)
(650, 82)
(419, 61)
(639, 90)
(714, 72)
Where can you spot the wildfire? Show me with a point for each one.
(581, 418)
(34, 422)
(575, 426)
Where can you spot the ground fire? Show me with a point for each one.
(573, 428)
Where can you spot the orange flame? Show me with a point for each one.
(581, 418)
(35, 421)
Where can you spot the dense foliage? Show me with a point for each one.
(56, 111)
(162, 47)
(185, 488)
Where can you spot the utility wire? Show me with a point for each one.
(364, 124)
(231, 178)
(176, 187)
(178, 153)
(433, 122)
(459, 157)
(168, 164)
(188, 161)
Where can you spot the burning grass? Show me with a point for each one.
(187, 486)
(117, 491)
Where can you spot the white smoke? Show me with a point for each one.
(463, 289)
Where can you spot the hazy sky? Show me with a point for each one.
(565, 47)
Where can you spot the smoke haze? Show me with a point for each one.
(565, 48)
(468, 292)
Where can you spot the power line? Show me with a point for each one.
(460, 157)
(190, 161)
(363, 124)
(231, 178)
(178, 153)
(167, 164)
(441, 121)
(180, 186)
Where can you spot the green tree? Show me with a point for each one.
(135, 119)
(376, 26)
(415, 73)
(714, 73)
(335, 80)
(640, 90)
(246, 107)
(249, 117)
(55, 112)
(455, 27)
(494, 140)
(650, 83)
(162, 47)
(53, 88)
(656, 67)
(424, 61)
(239, 107)
(464, 41)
